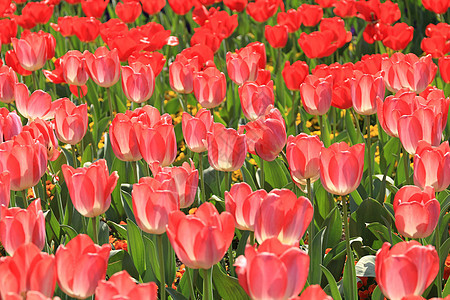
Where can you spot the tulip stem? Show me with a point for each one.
(406, 165)
(311, 224)
(438, 248)
(189, 282)
(74, 156)
(94, 229)
(369, 157)
(231, 260)
(185, 103)
(202, 182)
(162, 272)
(251, 238)
(108, 91)
(277, 67)
(80, 94)
(24, 199)
(347, 244)
(33, 77)
(262, 176)
(207, 284)
(135, 171)
(44, 187)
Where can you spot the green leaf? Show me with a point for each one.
(446, 291)
(348, 292)
(114, 262)
(69, 231)
(152, 260)
(274, 174)
(136, 246)
(86, 156)
(228, 287)
(316, 255)
(174, 294)
(242, 243)
(121, 230)
(377, 295)
(53, 229)
(331, 283)
(383, 234)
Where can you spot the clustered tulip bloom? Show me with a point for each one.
(71, 122)
(255, 98)
(196, 128)
(121, 284)
(138, 82)
(432, 166)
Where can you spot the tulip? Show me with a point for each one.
(262, 10)
(210, 235)
(39, 12)
(341, 168)
(210, 87)
(244, 64)
(12, 61)
(273, 271)
(71, 122)
(444, 68)
(25, 159)
(86, 29)
(345, 8)
(8, 80)
(181, 7)
(292, 19)
(103, 66)
(314, 292)
(123, 138)
(316, 94)
(266, 136)
(65, 25)
(236, 5)
(207, 37)
(310, 14)
(366, 91)
(122, 285)
(22, 226)
(436, 6)
(226, 148)
(74, 68)
(185, 180)
(416, 211)
(317, 44)
(94, 8)
(181, 76)
(128, 12)
(138, 82)
(8, 30)
(27, 270)
(10, 124)
(398, 36)
(337, 26)
(277, 35)
(255, 98)
(152, 203)
(153, 7)
(195, 129)
(31, 51)
(437, 46)
(155, 60)
(90, 188)
(432, 166)
(294, 75)
(37, 105)
(5, 183)
(43, 132)
(408, 268)
(303, 155)
(81, 265)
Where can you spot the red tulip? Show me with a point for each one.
(8, 30)
(266, 136)
(316, 94)
(25, 159)
(337, 26)
(42, 131)
(39, 12)
(5, 183)
(262, 10)
(65, 25)
(341, 168)
(181, 7)
(94, 8)
(195, 129)
(317, 44)
(90, 188)
(408, 71)
(244, 64)
(236, 5)
(207, 37)
(367, 90)
(292, 19)
(398, 36)
(73, 64)
(244, 204)
(12, 61)
(444, 68)
(128, 12)
(185, 178)
(256, 98)
(10, 124)
(303, 153)
(277, 35)
(153, 201)
(294, 75)
(345, 8)
(408, 268)
(124, 139)
(71, 122)
(31, 51)
(416, 211)
(226, 148)
(436, 6)
(181, 76)
(437, 46)
(392, 108)
(86, 29)
(138, 82)
(210, 87)
(273, 271)
(103, 66)
(153, 7)
(310, 14)
(8, 80)
(326, 3)
(155, 60)
(27, 270)
(122, 285)
(314, 292)
(22, 226)
(284, 216)
(81, 265)
(210, 236)
(432, 166)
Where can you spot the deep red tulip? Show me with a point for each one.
(71, 122)
(292, 19)
(444, 68)
(317, 44)
(366, 91)
(8, 80)
(407, 268)
(28, 271)
(123, 138)
(207, 37)
(8, 30)
(437, 46)
(94, 8)
(22, 226)
(55, 76)
(210, 87)
(277, 35)
(266, 136)
(345, 8)
(122, 285)
(273, 271)
(195, 129)
(335, 163)
(398, 36)
(326, 3)
(262, 10)
(128, 12)
(10, 124)
(337, 26)
(181, 7)
(138, 82)
(103, 66)
(294, 75)
(74, 67)
(436, 6)
(31, 51)
(86, 29)
(303, 153)
(156, 60)
(90, 188)
(39, 12)
(316, 94)
(210, 236)
(236, 5)
(416, 211)
(65, 25)
(226, 148)
(152, 203)
(255, 99)
(81, 265)
(43, 132)
(153, 7)
(432, 166)
(310, 14)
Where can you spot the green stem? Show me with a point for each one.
(295, 103)
(207, 284)
(252, 238)
(347, 244)
(80, 94)
(277, 66)
(369, 160)
(33, 77)
(24, 199)
(74, 156)
(406, 165)
(438, 247)
(322, 130)
(189, 282)
(311, 224)
(231, 260)
(108, 91)
(262, 176)
(146, 169)
(162, 272)
(227, 181)
(135, 171)
(94, 229)
(335, 113)
(202, 181)
(44, 187)
(185, 103)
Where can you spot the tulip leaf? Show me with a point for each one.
(274, 174)
(354, 136)
(333, 232)
(377, 295)
(228, 287)
(444, 251)
(136, 246)
(69, 231)
(87, 154)
(316, 255)
(174, 294)
(120, 229)
(152, 271)
(350, 293)
(446, 291)
(383, 233)
(331, 283)
(242, 242)
(53, 229)
(248, 178)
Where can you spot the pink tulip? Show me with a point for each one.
(195, 129)
(71, 122)
(243, 65)
(316, 94)
(416, 211)
(202, 239)
(255, 98)
(74, 67)
(313, 292)
(31, 51)
(273, 271)
(81, 265)
(28, 269)
(226, 148)
(10, 124)
(341, 168)
(407, 268)
(366, 91)
(124, 142)
(103, 66)
(43, 132)
(8, 80)
(181, 76)
(5, 183)
(210, 87)
(138, 82)
(122, 286)
(303, 153)
(22, 226)
(90, 188)
(244, 204)
(37, 105)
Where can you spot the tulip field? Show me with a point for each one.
(224, 149)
